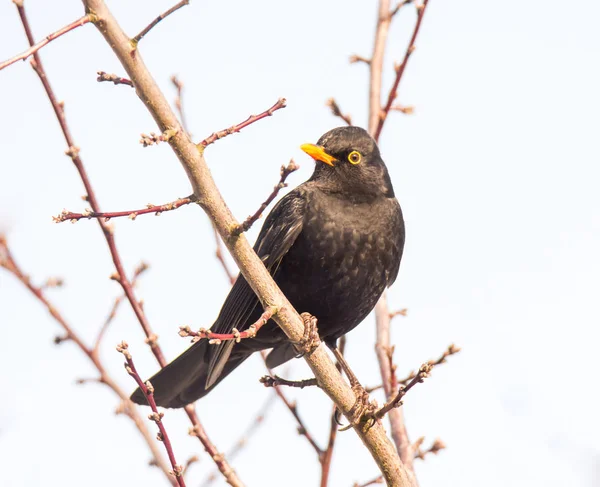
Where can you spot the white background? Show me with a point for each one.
(497, 174)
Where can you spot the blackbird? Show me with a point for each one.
(332, 245)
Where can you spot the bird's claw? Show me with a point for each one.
(362, 410)
(310, 340)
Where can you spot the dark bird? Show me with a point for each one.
(332, 245)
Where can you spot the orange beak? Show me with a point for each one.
(318, 153)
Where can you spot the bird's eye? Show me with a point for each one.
(354, 157)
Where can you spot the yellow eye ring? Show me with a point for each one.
(354, 157)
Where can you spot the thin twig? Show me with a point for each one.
(395, 402)
(73, 152)
(157, 417)
(236, 128)
(152, 139)
(8, 262)
(397, 8)
(400, 71)
(337, 112)
(275, 381)
(162, 16)
(66, 215)
(49, 38)
(217, 338)
(139, 270)
(113, 78)
(248, 222)
(434, 449)
(179, 103)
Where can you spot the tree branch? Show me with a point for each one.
(49, 38)
(162, 16)
(148, 391)
(66, 215)
(7, 262)
(400, 71)
(121, 277)
(281, 103)
(113, 78)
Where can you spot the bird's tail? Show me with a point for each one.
(183, 381)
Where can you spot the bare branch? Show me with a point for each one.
(397, 8)
(284, 173)
(281, 103)
(153, 138)
(435, 448)
(49, 38)
(113, 78)
(8, 262)
(152, 24)
(139, 270)
(157, 417)
(217, 338)
(400, 71)
(73, 153)
(355, 58)
(275, 381)
(220, 257)
(376, 480)
(131, 214)
(336, 111)
(179, 103)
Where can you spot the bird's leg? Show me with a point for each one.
(310, 340)
(363, 405)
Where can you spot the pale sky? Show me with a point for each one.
(497, 173)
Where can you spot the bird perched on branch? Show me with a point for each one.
(332, 245)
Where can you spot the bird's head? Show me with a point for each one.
(348, 161)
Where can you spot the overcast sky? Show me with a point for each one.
(497, 173)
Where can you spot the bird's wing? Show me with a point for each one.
(397, 243)
(281, 228)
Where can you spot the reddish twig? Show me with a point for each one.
(113, 78)
(131, 214)
(157, 417)
(179, 103)
(125, 283)
(337, 112)
(49, 38)
(7, 262)
(217, 338)
(248, 222)
(395, 402)
(236, 128)
(139, 270)
(400, 71)
(435, 448)
(152, 24)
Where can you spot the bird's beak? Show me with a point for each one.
(318, 153)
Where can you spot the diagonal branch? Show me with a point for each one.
(162, 16)
(121, 276)
(8, 262)
(279, 104)
(49, 38)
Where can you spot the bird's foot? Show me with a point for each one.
(310, 340)
(363, 409)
